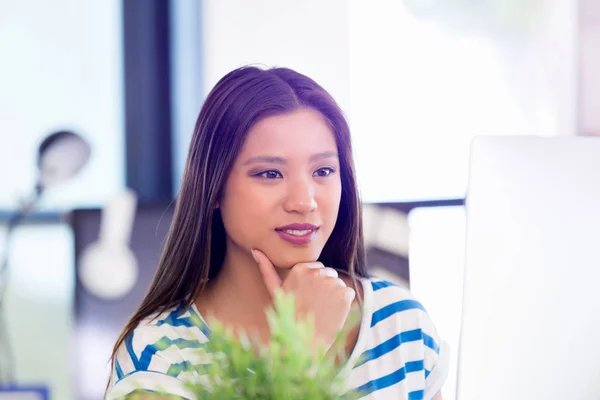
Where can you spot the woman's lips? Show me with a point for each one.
(298, 234)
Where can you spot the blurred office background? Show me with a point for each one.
(417, 80)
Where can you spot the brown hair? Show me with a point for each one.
(195, 245)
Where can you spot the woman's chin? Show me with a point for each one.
(287, 261)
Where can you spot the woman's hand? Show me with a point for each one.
(317, 290)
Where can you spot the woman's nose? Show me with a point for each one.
(300, 197)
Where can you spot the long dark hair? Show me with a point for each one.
(194, 249)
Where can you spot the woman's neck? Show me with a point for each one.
(237, 297)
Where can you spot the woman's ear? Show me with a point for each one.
(217, 205)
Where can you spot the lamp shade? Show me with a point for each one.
(60, 156)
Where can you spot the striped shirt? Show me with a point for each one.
(398, 354)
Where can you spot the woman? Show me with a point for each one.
(269, 200)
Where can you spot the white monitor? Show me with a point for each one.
(531, 308)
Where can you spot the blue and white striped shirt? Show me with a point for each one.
(398, 354)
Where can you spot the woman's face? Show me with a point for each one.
(283, 194)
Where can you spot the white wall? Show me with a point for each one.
(422, 90)
(61, 68)
(589, 83)
(415, 92)
(308, 36)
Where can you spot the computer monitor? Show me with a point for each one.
(531, 308)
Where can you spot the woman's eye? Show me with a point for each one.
(323, 172)
(270, 174)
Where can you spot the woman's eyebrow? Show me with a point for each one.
(280, 160)
(265, 159)
(323, 155)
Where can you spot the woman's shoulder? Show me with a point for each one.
(176, 325)
(393, 306)
(401, 337)
(386, 292)
(162, 349)
(161, 341)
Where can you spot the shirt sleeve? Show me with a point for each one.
(439, 371)
(144, 371)
(436, 358)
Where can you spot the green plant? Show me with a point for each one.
(285, 369)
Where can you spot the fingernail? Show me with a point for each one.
(254, 255)
(350, 294)
(328, 272)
